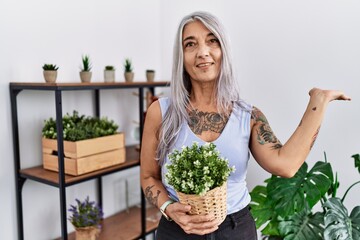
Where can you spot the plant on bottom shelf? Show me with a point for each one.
(85, 213)
(86, 217)
(283, 208)
(78, 127)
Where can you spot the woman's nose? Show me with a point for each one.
(203, 51)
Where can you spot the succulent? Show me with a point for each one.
(128, 65)
(50, 67)
(86, 64)
(109, 68)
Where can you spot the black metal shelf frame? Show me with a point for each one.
(15, 89)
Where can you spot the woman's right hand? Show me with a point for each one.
(191, 224)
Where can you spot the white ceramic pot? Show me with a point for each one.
(109, 75)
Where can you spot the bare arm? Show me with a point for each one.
(285, 160)
(151, 183)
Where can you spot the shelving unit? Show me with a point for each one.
(133, 224)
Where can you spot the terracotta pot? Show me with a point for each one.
(50, 76)
(87, 233)
(85, 76)
(129, 76)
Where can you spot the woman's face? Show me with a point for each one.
(202, 52)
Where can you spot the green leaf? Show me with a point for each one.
(263, 211)
(338, 225)
(291, 195)
(302, 226)
(357, 161)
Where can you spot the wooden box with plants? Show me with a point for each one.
(90, 144)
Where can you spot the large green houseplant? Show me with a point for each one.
(284, 207)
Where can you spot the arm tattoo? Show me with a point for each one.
(264, 133)
(314, 138)
(149, 195)
(206, 121)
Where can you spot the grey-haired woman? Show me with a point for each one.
(205, 106)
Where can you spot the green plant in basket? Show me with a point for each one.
(78, 127)
(197, 169)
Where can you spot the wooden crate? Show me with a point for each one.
(87, 155)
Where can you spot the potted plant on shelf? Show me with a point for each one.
(85, 73)
(90, 144)
(198, 173)
(86, 217)
(150, 75)
(50, 72)
(283, 208)
(109, 73)
(128, 70)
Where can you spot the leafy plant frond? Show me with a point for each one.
(357, 161)
(305, 189)
(338, 225)
(303, 226)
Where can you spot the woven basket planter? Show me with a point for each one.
(87, 233)
(214, 201)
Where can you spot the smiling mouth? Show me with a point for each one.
(204, 64)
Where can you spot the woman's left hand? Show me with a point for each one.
(327, 95)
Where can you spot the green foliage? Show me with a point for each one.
(357, 161)
(86, 64)
(337, 222)
(197, 169)
(50, 67)
(128, 65)
(76, 127)
(283, 207)
(85, 214)
(109, 68)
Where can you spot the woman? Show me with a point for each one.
(205, 106)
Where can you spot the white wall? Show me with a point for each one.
(281, 49)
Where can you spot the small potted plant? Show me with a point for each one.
(199, 176)
(150, 75)
(85, 73)
(86, 217)
(109, 73)
(128, 70)
(50, 72)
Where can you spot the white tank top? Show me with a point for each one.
(233, 144)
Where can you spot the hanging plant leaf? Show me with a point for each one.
(357, 161)
(303, 226)
(291, 195)
(338, 225)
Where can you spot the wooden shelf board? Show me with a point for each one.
(91, 85)
(127, 225)
(40, 174)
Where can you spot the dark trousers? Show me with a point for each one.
(236, 226)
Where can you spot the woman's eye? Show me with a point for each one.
(214, 40)
(189, 44)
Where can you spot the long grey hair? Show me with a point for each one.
(226, 92)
